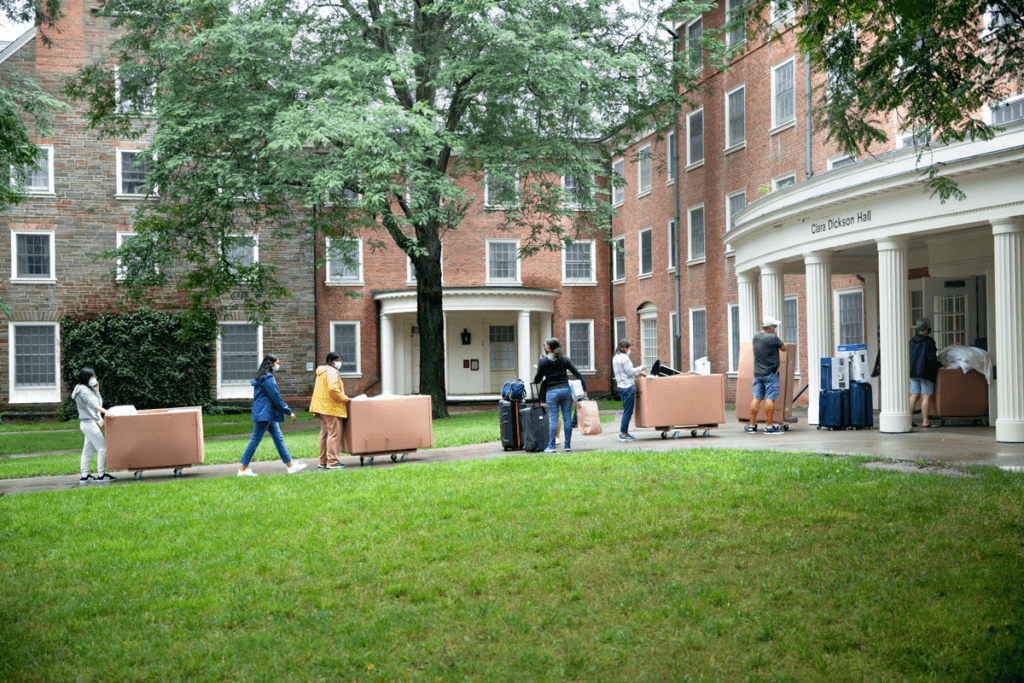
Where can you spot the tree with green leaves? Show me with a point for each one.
(361, 118)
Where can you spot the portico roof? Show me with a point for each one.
(497, 298)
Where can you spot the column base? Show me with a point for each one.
(1010, 431)
(812, 412)
(894, 423)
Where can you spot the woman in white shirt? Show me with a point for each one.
(624, 371)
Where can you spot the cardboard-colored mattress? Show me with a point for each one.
(680, 401)
(745, 384)
(162, 438)
(388, 425)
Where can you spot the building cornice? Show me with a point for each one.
(18, 43)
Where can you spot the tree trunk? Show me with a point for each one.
(430, 318)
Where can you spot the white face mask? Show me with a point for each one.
(94, 382)
(337, 365)
(277, 368)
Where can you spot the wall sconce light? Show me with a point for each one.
(466, 336)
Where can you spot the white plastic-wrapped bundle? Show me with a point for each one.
(967, 358)
(117, 411)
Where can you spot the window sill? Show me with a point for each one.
(350, 375)
(616, 205)
(735, 148)
(510, 207)
(781, 127)
(41, 195)
(695, 261)
(694, 166)
(671, 269)
(34, 281)
(643, 194)
(620, 281)
(352, 283)
(134, 197)
(670, 181)
(577, 283)
(491, 283)
(588, 372)
(644, 276)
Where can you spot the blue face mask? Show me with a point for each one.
(275, 368)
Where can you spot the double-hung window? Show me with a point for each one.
(345, 343)
(646, 263)
(132, 167)
(344, 261)
(673, 156)
(620, 330)
(501, 189)
(734, 203)
(695, 137)
(791, 327)
(695, 44)
(134, 90)
(649, 335)
(578, 263)
(698, 335)
(783, 93)
(618, 186)
(841, 77)
(736, 30)
(734, 337)
(620, 259)
(33, 257)
(39, 179)
(575, 193)
(735, 117)
(137, 265)
(502, 262)
(240, 350)
(580, 334)
(33, 362)
(781, 10)
(243, 250)
(673, 245)
(851, 316)
(644, 170)
(696, 219)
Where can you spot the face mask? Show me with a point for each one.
(276, 368)
(94, 382)
(337, 365)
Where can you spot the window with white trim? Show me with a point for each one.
(694, 44)
(781, 10)
(791, 326)
(695, 137)
(783, 93)
(579, 263)
(841, 77)
(673, 245)
(735, 23)
(503, 347)
(339, 252)
(695, 215)
(122, 270)
(620, 330)
(698, 335)
(783, 181)
(239, 353)
(1008, 112)
(735, 116)
(619, 189)
(132, 167)
(410, 269)
(646, 264)
(673, 156)
(501, 189)
(619, 250)
(734, 203)
(345, 343)
(34, 362)
(575, 195)
(915, 138)
(502, 261)
(33, 256)
(243, 251)
(649, 335)
(643, 167)
(851, 316)
(672, 338)
(995, 22)
(134, 90)
(580, 334)
(38, 180)
(734, 337)
(839, 161)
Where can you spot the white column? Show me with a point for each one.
(444, 328)
(773, 296)
(1009, 314)
(892, 318)
(871, 332)
(747, 289)
(818, 269)
(387, 356)
(525, 357)
(990, 332)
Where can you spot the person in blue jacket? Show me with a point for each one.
(268, 408)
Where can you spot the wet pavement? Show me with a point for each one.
(948, 445)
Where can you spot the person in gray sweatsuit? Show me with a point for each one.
(90, 416)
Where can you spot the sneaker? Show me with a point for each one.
(750, 429)
(774, 430)
(247, 473)
(86, 479)
(335, 466)
(322, 467)
(568, 448)
(106, 478)
(549, 449)
(627, 437)
(296, 467)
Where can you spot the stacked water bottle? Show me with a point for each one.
(845, 400)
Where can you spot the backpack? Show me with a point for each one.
(514, 390)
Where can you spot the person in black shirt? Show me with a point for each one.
(766, 376)
(551, 374)
(924, 369)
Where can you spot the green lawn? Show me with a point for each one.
(701, 565)
(458, 430)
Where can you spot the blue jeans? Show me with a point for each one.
(559, 398)
(628, 396)
(258, 429)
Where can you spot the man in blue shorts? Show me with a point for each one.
(924, 369)
(766, 375)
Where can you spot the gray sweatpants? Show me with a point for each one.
(94, 443)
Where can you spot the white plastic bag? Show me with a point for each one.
(576, 386)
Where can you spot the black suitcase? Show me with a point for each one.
(534, 425)
(511, 431)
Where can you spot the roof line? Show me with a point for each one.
(18, 43)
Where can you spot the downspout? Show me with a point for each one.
(611, 279)
(316, 303)
(677, 181)
(807, 100)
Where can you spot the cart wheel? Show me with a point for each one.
(693, 433)
(675, 435)
(394, 458)
(360, 461)
(405, 457)
(707, 433)
(177, 472)
(371, 460)
(664, 435)
(785, 428)
(138, 476)
(819, 428)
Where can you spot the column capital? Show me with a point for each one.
(895, 243)
(772, 269)
(1010, 224)
(747, 276)
(823, 257)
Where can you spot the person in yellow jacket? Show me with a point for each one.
(328, 404)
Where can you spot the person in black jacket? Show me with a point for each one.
(551, 374)
(924, 368)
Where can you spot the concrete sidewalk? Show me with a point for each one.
(949, 445)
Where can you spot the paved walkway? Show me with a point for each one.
(950, 445)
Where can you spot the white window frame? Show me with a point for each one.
(589, 370)
(796, 298)
(255, 247)
(908, 136)
(619, 277)
(615, 330)
(729, 251)
(648, 314)
(689, 55)
(119, 194)
(694, 259)
(237, 391)
(733, 368)
(729, 149)
(359, 354)
(619, 193)
(696, 309)
(574, 204)
(776, 15)
(643, 160)
(691, 163)
(988, 112)
(672, 338)
(640, 252)
(32, 394)
(672, 150)
(487, 265)
(14, 258)
(729, 11)
(673, 250)
(121, 235)
(782, 178)
(578, 282)
(830, 163)
(777, 125)
(410, 271)
(487, 194)
(358, 281)
(987, 33)
(836, 294)
(37, 191)
(119, 105)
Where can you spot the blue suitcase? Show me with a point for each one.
(834, 409)
(862, 410)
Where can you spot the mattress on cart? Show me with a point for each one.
(745, 383)
(155, 439)
(960, 394)
(388, 424)
(680, 401)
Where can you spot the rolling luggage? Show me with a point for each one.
(508, 419)
(534, 425)
(862, 413)
(834, 409)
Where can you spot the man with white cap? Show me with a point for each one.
(766, 375)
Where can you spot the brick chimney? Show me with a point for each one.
(66, 54)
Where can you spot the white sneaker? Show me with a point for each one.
(247, 473)
(296, 467)
(549, 450)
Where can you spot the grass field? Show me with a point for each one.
(700, 565)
